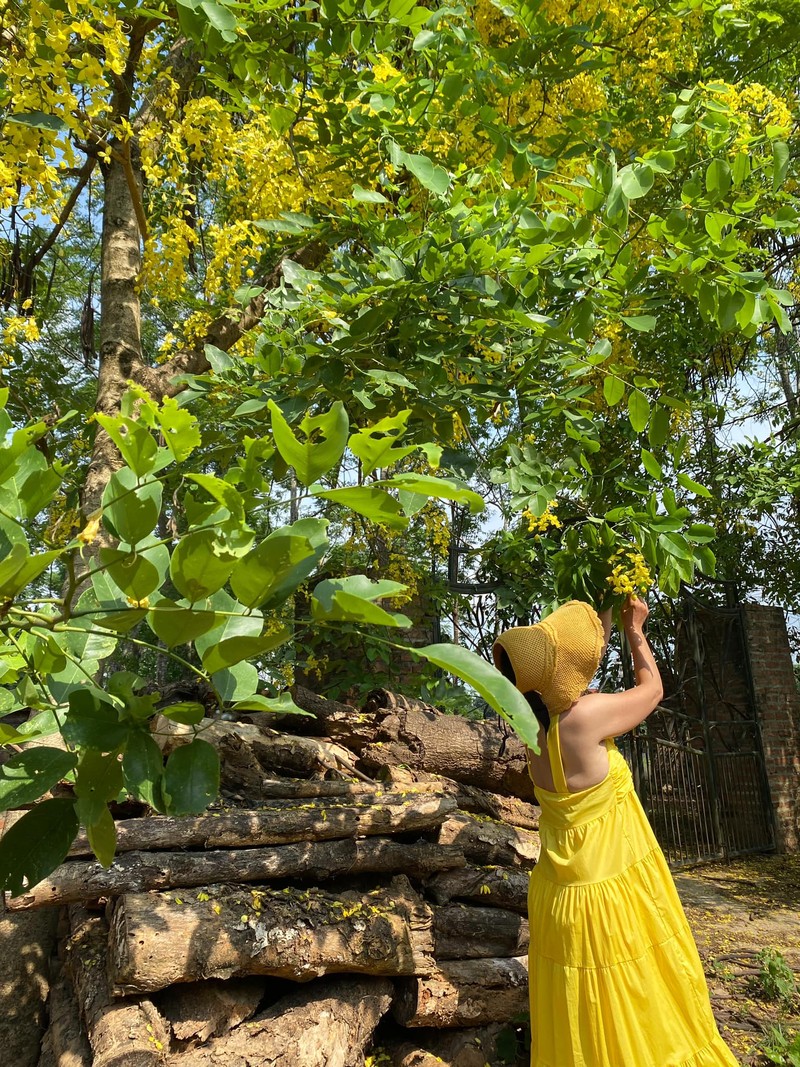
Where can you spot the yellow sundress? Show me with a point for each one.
(615, 977)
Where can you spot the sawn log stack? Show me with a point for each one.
(358, 896)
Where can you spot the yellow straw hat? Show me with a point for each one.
(557, 657)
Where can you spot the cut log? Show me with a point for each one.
(392, 730)
(463, 933)
(294, 788)
(159, 939)
(65, 1038)
(250, 753)
(468, 797)
(279, 824)
(464, 993)
(330, 1022)
(201, 1010)
(496, 887)
(488, 842)
(462, 1048)
(129, 1032)
(136, 872)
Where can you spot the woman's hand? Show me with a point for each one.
(634, 614)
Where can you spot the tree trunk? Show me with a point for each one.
(201, 1010)
(159, 939)
(464, 993)
(279, 825)
(488, 843)
(461, 932)
(497, 887)
(131, 1032)
(394, 730)
(329, 1023)
(137, 872)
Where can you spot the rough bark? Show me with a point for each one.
(464, 1048)
(27, 942)
(496, 887)
(487, 842)
(157, 941)
(137, 872)
(330, 1022)
(201, 1010)
(464, 993)
(277, 824)
(511, 810)
(250, 753)
(128, 1032)
(65, 1041)
(394, 730)
(461, 932)
(299, 788)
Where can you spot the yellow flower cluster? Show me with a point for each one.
(18, 328)
(629, 572)
(540, 524)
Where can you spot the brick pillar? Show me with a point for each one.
(778, 706)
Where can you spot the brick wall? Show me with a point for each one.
(778, 705)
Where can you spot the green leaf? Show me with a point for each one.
(136, 444)
(613, 390)
(718, 177)
(179, 428)
(701, 533)
(658, 427)
(643, 323)
(39, 120)
(638, 410)
(235, 649)
(221, 491)
(102, 836)
(651, 465)
(693, 487)
(188, 712)
(191, 778)
(220, 18)
(93, 723)
(368, 196)
(636, 180)
(498, 692)
(98, 780)
(20, 568)
(325, 439)
(177, 625)
(280, 705)
(780, 163)
(30, 774)
(271, 572)
(33, 847)
(199, 565)
(238, 682)
(131, 509)
(135, 575)
(370, 501)
(142, 768)
(438, 488)
(352, 600)
(376, 445)
(429, 174)
(676, 546)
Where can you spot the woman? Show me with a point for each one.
(615, 978)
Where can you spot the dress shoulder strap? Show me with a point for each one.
(554, 755)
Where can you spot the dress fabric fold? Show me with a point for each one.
(615, 976)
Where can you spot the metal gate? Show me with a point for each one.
(697, 761)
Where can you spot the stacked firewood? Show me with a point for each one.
(357, 896)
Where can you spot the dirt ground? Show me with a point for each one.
(737, 911)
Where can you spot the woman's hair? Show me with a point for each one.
(538, 706)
